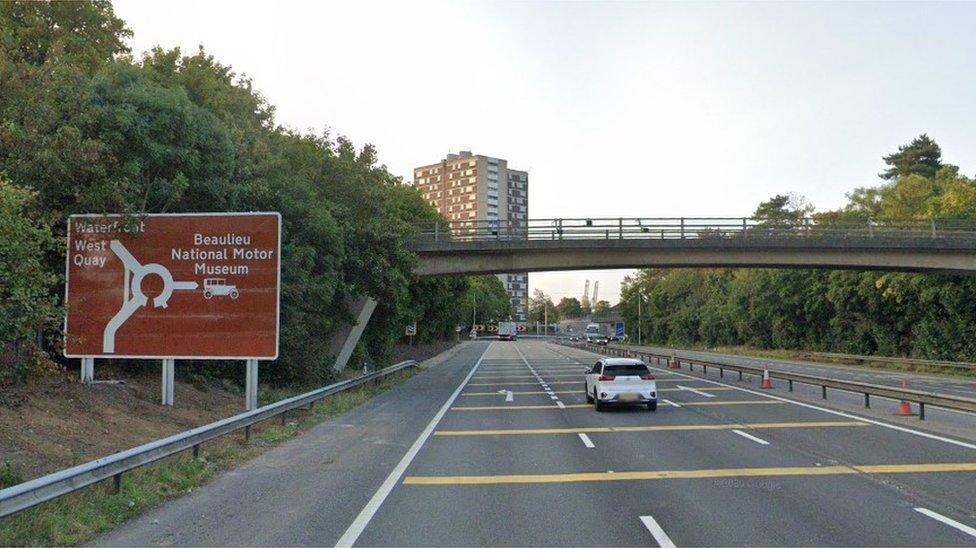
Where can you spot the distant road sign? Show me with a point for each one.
(618, 329)
(411, 329)
(202, 286)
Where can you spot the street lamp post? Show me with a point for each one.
(640, 297)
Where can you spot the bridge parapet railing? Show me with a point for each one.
(691, 228)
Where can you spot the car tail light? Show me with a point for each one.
(605, 377)
(647, 376)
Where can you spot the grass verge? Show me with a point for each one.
(79, 517)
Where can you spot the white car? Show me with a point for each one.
(620, 381)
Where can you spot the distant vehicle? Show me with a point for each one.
(592, 329)
(219, 286)
(600, 340)
(620, 381)
(574, 338)
(507, 331)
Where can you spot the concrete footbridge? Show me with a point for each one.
(486, 247)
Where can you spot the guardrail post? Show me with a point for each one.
(169, 380)
(88, 370)
(436, 230)
(117, 483)
(744, 226)
(867, 400)
(823, 393)
(251, 386)
(721, 372)
(620, 227)
(921, 411)
(682, 228)
(933, 228)
(740, 375)
(196, 451)
(791, 385)
(247, 433)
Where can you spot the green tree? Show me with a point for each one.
(485, 301)
(541, 308)
(922, 156)
(569, 307)
(27, 288)
(83, 34)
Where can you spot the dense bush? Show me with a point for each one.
(84, 127)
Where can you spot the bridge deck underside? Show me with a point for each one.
(933, 255)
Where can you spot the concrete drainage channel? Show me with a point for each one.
(37, 491)
(905, 396)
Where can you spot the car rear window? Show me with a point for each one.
(625, 369)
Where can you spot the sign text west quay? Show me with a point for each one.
(94, 253)
(233, 247)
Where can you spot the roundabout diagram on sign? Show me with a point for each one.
(132, 295)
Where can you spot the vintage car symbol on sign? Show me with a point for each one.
(219, 286)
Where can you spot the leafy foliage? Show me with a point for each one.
(569, 307)
(927, 316)
(86, 128)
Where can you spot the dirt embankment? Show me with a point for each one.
(58, 422)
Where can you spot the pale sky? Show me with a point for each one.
(661, 109)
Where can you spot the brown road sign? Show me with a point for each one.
(173, 286)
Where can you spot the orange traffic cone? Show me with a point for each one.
(905, 409)
(674, 364)
(766, 382)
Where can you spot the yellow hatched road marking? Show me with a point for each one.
(697, 474)
(536, 383)
(496, 393)
(646, 428)
(577, 376)
(516, 408)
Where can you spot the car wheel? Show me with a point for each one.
(652, 406)
(589, 399)
(596, 402)
(208, 294)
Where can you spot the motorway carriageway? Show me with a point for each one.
(510, 454)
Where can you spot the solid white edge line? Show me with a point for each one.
(946, 520)
(750, 437)
(560, 404)
(586, 440)
(362, 520)
(834, 412)
(660, 536)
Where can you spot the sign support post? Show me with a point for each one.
(251, 386)
(87, 369)
(169, 380)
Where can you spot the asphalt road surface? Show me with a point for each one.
(450, 458)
